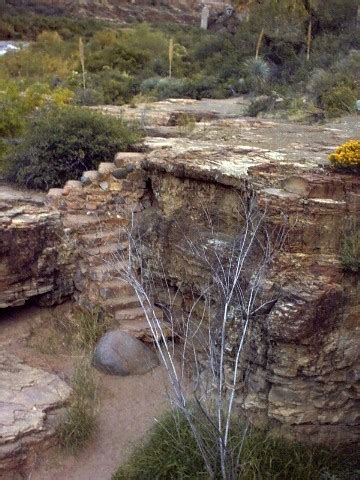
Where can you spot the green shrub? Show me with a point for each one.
(88, 97)
(61, 143)
(264, 103)
(149, 85)
(339, 100)
(13, 111)
(336, 89)
(350, 252)
(17, 23)
(79, 422)
(170, 452)
(170, 88)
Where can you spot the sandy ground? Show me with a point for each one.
(127, 408)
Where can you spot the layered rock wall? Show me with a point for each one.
(36, 259)
(303, 361)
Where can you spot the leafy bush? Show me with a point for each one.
(350, 252)
(337, 88)
(170, 452)
(170, 88)
(149, 85)
(88, 97)
(60, 144)
(264, 103)
(347, 155)
(17, 23)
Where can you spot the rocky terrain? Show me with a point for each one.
(30, 400)
(120, 11)
(309, 338)
(35, 258)
(303, 356)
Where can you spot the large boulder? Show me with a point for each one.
(118, 353)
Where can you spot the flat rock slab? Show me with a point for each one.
(30, 403)
(118, 353)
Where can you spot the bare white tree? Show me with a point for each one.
(207, 353)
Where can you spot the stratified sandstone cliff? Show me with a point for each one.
(302, 368)
(301, 371)
(36, 260)
(303, 362)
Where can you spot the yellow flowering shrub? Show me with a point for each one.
(347, 155)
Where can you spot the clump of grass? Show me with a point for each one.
(79, 422)
(170, 452)
(186, 125)
(50, 342)
(350, 252)
(86, 327)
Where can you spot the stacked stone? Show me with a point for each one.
(96, 211)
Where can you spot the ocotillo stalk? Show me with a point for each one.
(171, 55)
(261, 36)
(309, 40)
(82, 60)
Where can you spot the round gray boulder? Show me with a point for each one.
(118, 353)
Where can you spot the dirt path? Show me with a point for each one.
(127, 406)
(127, 410)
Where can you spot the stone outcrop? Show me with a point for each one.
(303, 357)
(129, 11)
(302, 365)
(36, 260)
(30, 406)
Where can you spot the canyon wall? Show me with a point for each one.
(301, 374)
(36, 260)
(301, 370)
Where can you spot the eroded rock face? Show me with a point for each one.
(303, 356)
(30, 403)
(35, 257)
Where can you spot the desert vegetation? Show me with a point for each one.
(59, 144)
(350, 253)
(79, 421)
(170, 452)
(347, 156)
(286, 67)
(213, 339)
(75, 336)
